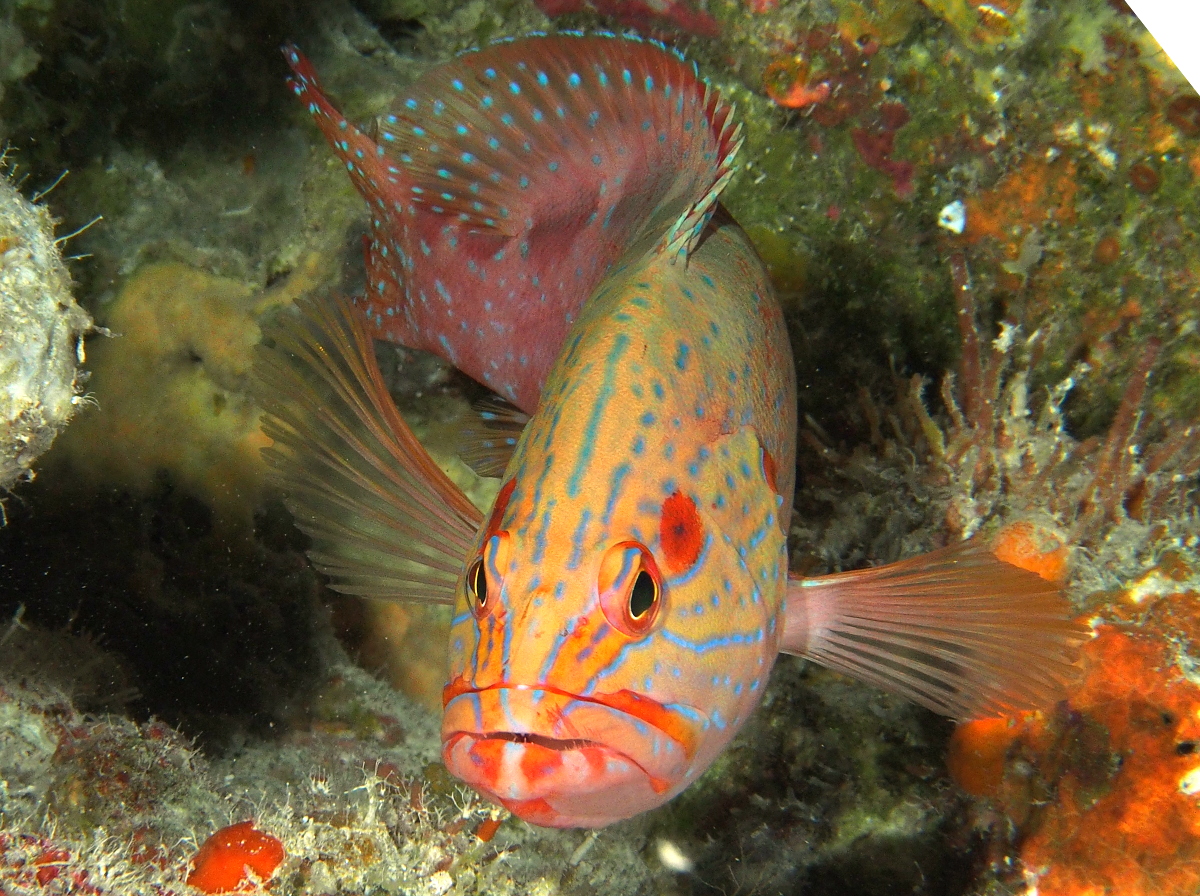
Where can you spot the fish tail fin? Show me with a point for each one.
(377, 177)
(384, 519)
(957, 630)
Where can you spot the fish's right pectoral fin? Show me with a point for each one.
(385, 521)
(957, 630)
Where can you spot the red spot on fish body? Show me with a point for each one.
(538, 762)
(456, 687)
(681, 532)
(770, 470)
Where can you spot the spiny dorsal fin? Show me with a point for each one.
(385, 521)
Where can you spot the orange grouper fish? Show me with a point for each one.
(545, 216)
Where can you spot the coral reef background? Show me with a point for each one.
(982, 220)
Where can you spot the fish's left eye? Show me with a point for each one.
(630, 588)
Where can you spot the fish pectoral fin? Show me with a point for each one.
(385, 521)
(956, 630)
(486, 444)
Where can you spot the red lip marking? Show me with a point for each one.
(670, 723)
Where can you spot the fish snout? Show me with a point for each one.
(559, 760)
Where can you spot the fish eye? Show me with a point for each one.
(485, 576)
(630, 588)
(643, 595)
(477, 586)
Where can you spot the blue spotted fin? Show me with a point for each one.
(956, 630)
(538, 133)
(384, 519)
(487, 443)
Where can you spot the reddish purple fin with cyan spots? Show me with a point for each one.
(508, 181)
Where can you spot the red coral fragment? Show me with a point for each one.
(223, 860)
(875, 147)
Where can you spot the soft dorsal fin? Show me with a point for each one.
(525, 132)
(487, 443)
(385, 521)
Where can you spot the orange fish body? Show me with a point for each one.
(618, 611)
(662, 450)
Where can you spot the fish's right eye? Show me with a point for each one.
(485, 576)
(477, 587)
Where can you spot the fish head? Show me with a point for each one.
(610, 638)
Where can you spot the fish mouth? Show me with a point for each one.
(561, 760)
(549, 743)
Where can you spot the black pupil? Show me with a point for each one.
(641, 598)
(479, 584)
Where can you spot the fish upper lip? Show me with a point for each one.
(643, 708)
(662, 755)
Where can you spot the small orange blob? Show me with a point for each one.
(1034, 549)
(1108, 250)
(788, 83)
(487, 829)
(225, 861)
(977, 752)
(1144, 178)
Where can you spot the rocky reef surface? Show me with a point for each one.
(42, 327)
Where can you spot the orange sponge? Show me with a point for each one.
(225, 861)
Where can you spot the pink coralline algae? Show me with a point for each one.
(877, 142)
(640, 13)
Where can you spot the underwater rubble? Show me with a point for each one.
(41, 383)
(982, 222)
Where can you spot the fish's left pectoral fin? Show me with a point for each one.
(956, 630)
(486, 444)
(384, 519)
